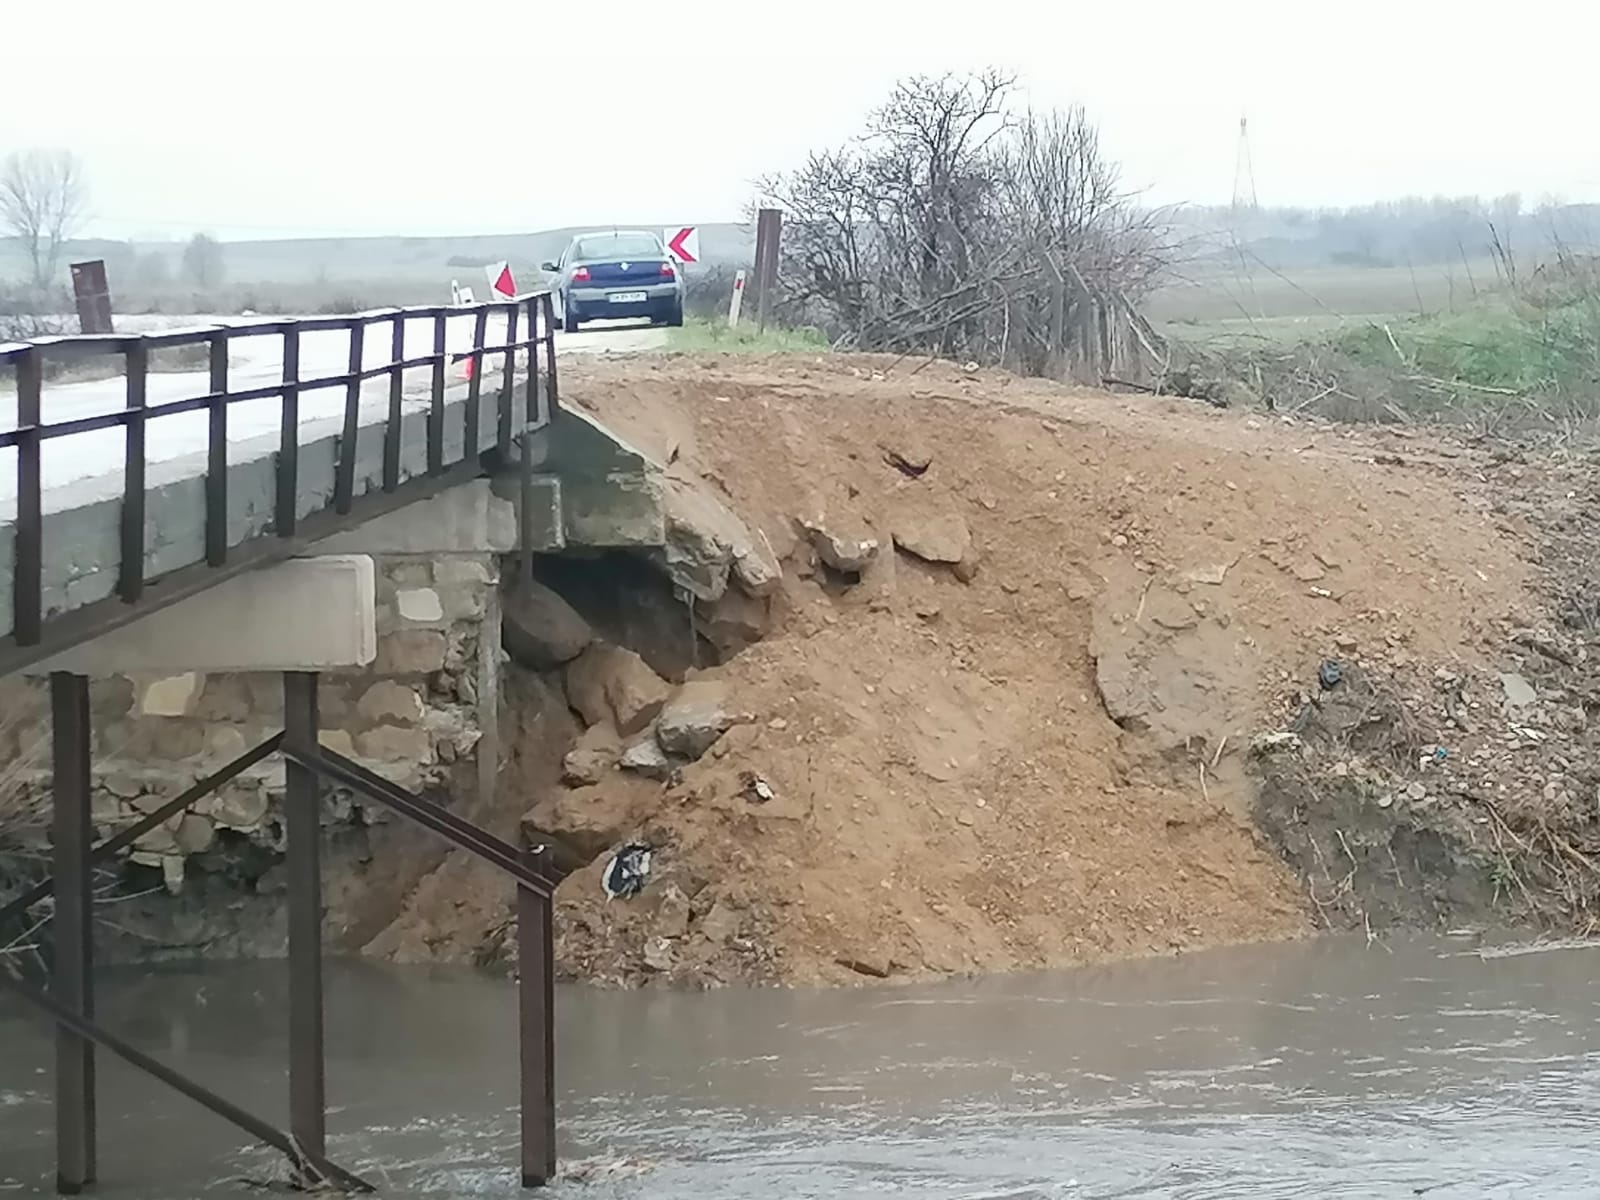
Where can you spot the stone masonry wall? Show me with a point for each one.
(424, 713)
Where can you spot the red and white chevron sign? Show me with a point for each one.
(683, 243)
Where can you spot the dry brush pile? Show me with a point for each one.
(957, 226)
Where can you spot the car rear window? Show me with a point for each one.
(618, 245)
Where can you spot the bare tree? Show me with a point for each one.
(956, 226)
(202, 261)
(888, 237)
(44, 200)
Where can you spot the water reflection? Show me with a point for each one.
(1323, 1069)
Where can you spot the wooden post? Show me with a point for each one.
(93, 296)
(769, 232)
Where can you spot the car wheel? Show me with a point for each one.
(675, 314)
(569, 319)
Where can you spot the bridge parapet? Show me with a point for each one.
(118, 497)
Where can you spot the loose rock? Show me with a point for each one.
(595, 756)
(694, 718)
(939, 539)
(586, 820)
(672, 912)
(849, 554)
(1519, 692)
(722, 922)
(645, 757)
(610, 683)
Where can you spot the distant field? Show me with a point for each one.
(1232, 300)
(1263, 331)
(309, 275)
(1248, 291)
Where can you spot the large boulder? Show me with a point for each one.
(539, 629)
(692, 721)
(610, 683)
(585, 821)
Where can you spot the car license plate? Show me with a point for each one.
(627, 297)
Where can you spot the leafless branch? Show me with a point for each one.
(44, 200)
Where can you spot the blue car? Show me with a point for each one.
(623, 273)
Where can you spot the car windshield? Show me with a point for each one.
(603, 246)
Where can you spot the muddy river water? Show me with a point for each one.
(1318, 1069)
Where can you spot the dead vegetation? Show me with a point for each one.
(956, 226)
(1522, 358)
(1439, 793)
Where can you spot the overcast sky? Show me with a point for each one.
(289, 118)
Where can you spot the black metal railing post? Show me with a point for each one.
(397, 387)
(508, 380)
(552, 401)
(344, 484)
(480, 332)
(130, 571)
(531, 401)
(436, 398)
(27, 594)
(284, 512)
(217, 452)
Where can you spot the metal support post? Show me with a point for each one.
(536, 1001)
(72, 983)
(302, 805)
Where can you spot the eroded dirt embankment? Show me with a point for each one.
(1019, 734)
(988, 673)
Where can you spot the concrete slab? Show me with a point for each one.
(608, 493)
(306, 614)
(469, 519)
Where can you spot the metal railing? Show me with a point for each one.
(310, 769)
(36, 633)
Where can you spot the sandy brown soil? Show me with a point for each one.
(1043, 765)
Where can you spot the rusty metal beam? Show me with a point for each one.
(320, 1167)
(72, 977)
(302, 804)
(453, 828)
(536, 1012)
(132, 833)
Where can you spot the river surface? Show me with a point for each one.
(1319, 1069)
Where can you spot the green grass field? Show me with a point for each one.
(715, 336)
